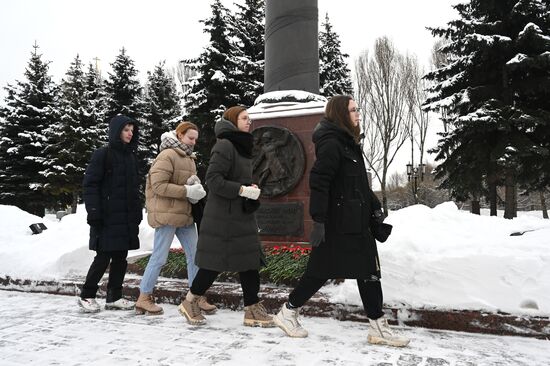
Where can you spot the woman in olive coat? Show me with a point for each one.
(228, 236)
(342, 206)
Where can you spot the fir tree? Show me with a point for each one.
(73, 139)
(214, 88)
(334, 74)
(8, 131)
(96, 109)
(491, 122)
(124, 96)
(123, 90)
(528, 77)
(248, 28)
(30, 109)
(162, 104)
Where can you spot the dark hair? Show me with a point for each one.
(337, 112)
(232, 114)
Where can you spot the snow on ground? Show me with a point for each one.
(60, 250)
(41, 329)
(440, 257)
(447, 258)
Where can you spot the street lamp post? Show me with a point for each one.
(414, 173)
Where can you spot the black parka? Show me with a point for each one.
(111, 192)
(341, 199)
(228, 237)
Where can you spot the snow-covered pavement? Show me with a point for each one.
(41, 329)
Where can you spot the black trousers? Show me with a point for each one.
(250, 283)
(370, 292)
(117, 271)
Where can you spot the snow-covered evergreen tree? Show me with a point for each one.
(528, 75)
(123, 94)
(30, 108)
(72, 139)
(162, 104)
(334, 74)
(214, 88)
(96, 108)
(248, 28)
(123, 90)
(491, 124)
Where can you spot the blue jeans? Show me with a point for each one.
(164, 235)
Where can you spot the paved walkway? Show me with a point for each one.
(43, 329)
(228, 295)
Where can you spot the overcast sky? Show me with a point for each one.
(169, 30)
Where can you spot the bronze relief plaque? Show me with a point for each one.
(278, 160)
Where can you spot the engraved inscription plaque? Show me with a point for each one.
(284, 219)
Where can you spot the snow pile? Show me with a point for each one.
(447, 258)
(440, 257)
(287, 103)
(60, 250)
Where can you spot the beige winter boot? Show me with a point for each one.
(287, 320)
(146, 305)
(256, 316)
(206, 307)
(190, 309)
(380, 333)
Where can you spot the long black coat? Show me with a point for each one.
(228, 236)
(342, 199)
(112, 197)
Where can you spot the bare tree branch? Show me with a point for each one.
(381, 85)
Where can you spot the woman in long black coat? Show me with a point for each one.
(342, 206)
(111, 196)
(228, 236)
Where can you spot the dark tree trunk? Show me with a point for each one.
(543, 205)
(475, 209)
(510, 208)
(74, 203)
(492, 185)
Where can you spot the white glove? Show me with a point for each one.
(195, 192)
(193, 180)
(250, 192)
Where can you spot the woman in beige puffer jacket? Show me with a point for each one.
(172, 187)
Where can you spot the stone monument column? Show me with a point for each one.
(283, 119)
(291, 46)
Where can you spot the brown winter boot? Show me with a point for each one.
(206, 307)
(256, 316)
(190, 309)
(146, 305)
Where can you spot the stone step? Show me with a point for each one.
(228, 295)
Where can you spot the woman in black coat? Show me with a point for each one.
(228, 236)
(111, 196)
(342, 206)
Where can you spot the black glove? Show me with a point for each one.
(378, 216)
(317, 234)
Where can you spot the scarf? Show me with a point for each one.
(243, 142)
(169, 140)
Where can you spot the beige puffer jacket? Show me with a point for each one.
(165, 194)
